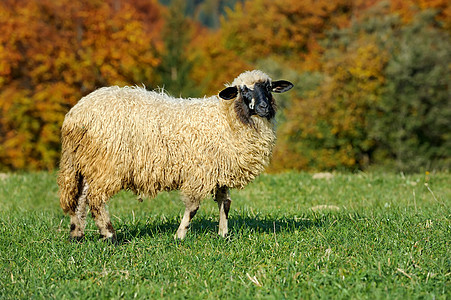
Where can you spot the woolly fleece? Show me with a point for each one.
(146, 141)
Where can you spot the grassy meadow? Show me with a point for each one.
(353, 236)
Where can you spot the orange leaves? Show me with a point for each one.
(215, 65)
(54, 52)
(407, 9)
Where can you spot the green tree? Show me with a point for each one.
(384, 98)
(175, 66)
(414, 122)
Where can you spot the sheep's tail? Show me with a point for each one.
(70, 184)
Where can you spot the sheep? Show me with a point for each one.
(147, 142)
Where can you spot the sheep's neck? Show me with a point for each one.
(256, 140)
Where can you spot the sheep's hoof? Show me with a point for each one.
(110, 240)
(180, 235)
(223, 231)
(223, 235)
(76, 239)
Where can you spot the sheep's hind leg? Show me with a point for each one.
(223, 198)
(191, 208)
(78, 217)
(103, 222)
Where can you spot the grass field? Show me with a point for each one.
(358, 236)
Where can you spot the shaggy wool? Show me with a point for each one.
(147, 141)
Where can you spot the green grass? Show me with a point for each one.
(390, 238)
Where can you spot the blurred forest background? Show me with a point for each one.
(372, 78)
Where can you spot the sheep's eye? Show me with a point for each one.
(268, 86)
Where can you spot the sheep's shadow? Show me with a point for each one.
(203, 224)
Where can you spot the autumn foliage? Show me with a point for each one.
(366, 93)
(54, 52)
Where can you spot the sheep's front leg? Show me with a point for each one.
(103, 222)
(223, 198)
(191, 208)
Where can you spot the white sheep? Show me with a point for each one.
(146, 141)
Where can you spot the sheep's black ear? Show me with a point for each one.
(229, 93)
(281, 86)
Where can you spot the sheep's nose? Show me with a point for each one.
(263, 104)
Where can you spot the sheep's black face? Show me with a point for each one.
(259, 100)
(256, 100)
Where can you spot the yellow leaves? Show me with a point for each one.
(368, 63)
(329, 129)
(288, 30)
